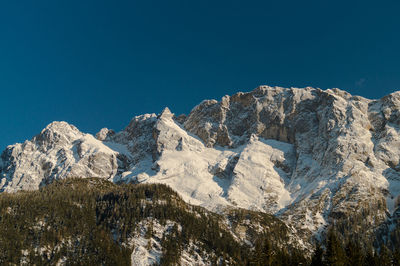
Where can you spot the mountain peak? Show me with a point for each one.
(58, 131)
(166, 113)
(104, 133)
(304, 154)
(61, 126)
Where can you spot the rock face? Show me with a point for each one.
(59, 151)
(307, 155)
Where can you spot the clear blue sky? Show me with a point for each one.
(99, 63)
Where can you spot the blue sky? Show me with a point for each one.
(99, 63)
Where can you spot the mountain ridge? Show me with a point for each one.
(309, 156)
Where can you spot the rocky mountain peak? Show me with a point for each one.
(166, 113)
(307, 155)
(57, 133)
(105, 133)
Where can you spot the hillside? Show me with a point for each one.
(95, 222)
(314, 159)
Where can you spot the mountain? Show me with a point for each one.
(313, 158)
(95, 222)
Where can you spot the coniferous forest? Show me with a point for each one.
(92, 222)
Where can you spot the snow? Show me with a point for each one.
(65, 152)
(187, 170)
(258, 183)
(141, 255)
(119, 148)
(93, 145)
(297, 153)
(148, 251)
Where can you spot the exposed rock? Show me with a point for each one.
(180, 118)
(59, 151)
(307, 155)
(104, 134)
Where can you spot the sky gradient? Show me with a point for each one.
(98, 63)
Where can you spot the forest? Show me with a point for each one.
(91, 222)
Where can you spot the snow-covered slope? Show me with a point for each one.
(306, 155)
(59, 151)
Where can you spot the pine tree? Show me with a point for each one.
(396, 257)
(335, 254)
(318, 256)
(354, 254)
(385, 257)
(370, 258)
(149, 231)
(268, 253)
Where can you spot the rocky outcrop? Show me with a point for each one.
(307, 155)
(345, 147)
(59, 151)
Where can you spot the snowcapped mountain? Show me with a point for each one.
(307, 155)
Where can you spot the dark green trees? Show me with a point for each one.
(90, 222)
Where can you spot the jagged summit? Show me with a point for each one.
(307, 155)
(104, 133)
(166, 113)
(60, 126)
(57, 132)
